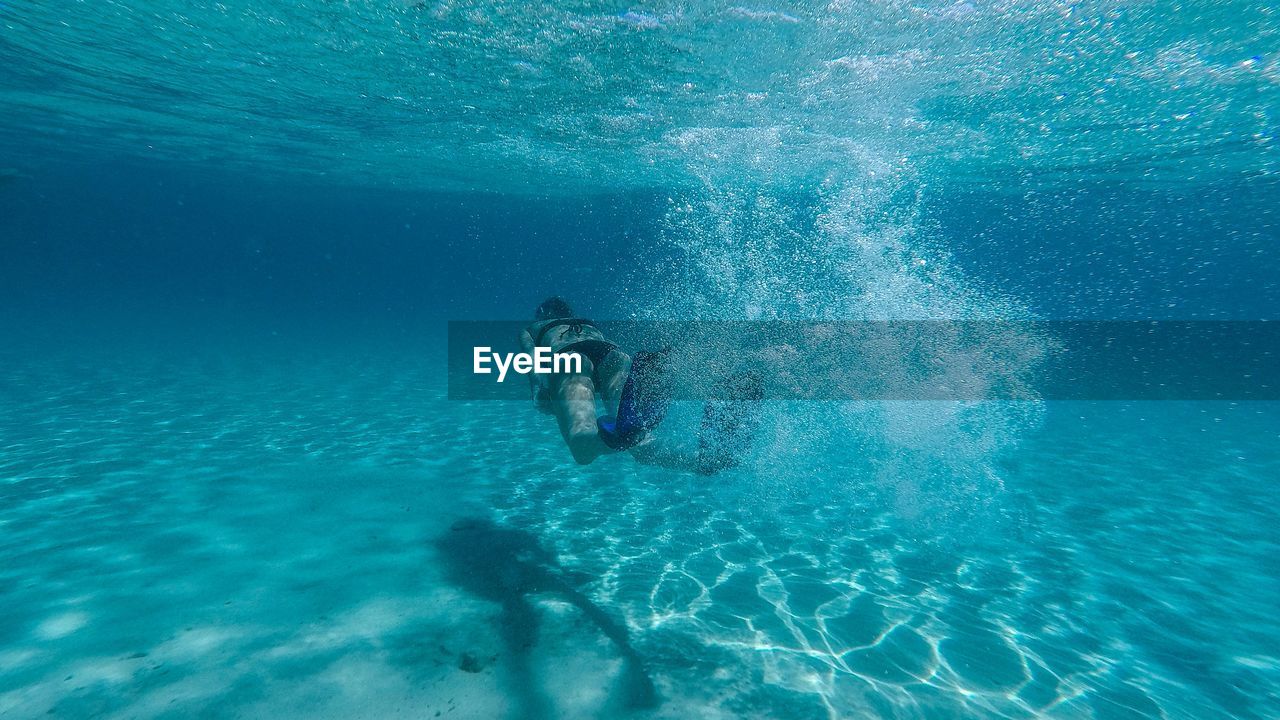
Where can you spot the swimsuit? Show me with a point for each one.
(566, 335)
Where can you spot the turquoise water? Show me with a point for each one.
(255, 536)
(232, 484)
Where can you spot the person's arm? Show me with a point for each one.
(537, 388)
(526, 346)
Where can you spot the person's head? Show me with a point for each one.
(552, 308)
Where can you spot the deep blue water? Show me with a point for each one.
(129, 238)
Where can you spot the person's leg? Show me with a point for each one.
(611, 375)
(574, 399)
(729, 424)
(665, 452)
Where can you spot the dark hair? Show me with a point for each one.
(553, 307)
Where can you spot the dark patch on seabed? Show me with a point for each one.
(507, 565)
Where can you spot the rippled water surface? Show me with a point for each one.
(538, 96)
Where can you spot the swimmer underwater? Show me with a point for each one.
(636, 393)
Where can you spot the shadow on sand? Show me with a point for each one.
(506, 565)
